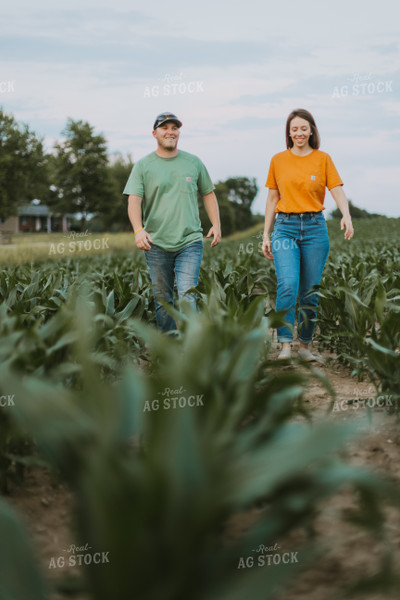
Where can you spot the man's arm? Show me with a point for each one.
(142, 238)
(211, 206)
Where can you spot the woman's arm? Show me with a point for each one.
(272, 201)
(342, 203)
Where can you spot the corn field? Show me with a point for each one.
(164, 441)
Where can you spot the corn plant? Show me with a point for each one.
(156, 483)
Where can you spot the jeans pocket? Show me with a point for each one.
(318, 218)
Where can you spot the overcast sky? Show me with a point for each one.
(231, 73)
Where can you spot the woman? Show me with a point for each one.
(299, 245)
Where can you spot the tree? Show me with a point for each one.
(113, 215)
(81, 176)
(226, 213)
(23, 166)
(242, 190)
(355, 212)
(240, 193)
(235, 196)
(120, 169)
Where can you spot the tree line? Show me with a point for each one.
(80, 177)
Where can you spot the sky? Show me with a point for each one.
(231, 73)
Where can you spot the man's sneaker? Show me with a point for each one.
(305, 354)
(285, 353)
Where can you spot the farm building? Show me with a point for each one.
(36, 218)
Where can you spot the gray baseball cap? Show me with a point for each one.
(164, 117)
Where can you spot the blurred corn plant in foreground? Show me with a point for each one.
(19, 573)
(161, 461)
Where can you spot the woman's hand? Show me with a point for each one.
(270, 212)
(343, 205)
(267, 247)
(347, 223)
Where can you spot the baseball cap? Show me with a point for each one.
(164, 117)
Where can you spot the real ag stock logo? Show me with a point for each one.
(173, 84)
(79, 556)
(172, 399)
(77, 245)
(370, 399)
(363, 85)
(267, 556)
(251, 248)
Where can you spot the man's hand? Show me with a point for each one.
(142, 239)
(216, 233)
(346, 223)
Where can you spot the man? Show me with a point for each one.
(163, 211)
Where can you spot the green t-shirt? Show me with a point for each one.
(168, 188)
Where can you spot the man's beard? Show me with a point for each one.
(169, 145)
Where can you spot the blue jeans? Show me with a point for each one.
(164, 266)
(300, 247)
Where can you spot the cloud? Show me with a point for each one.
(388, 48)
(94, 61)
(139, 54)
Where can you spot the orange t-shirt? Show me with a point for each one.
(301, 180)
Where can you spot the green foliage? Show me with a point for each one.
(23, 170)
(241, 190)
(235, 196)
(155, 488)
(81, 178)
(356, 213)
(39, 307)
(19, 575)
(156, 482)
(359, 315)
(115, 211)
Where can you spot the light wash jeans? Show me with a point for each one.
(164, 266)
(300, 247)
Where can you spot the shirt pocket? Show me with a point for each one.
(188, 185)
(315, 183)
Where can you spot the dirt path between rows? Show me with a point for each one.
(350, 552)
(45, 505)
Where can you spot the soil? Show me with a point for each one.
(351, 553)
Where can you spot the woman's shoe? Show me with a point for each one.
(305, 354)
(285, 353)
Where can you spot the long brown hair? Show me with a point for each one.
(315, 139)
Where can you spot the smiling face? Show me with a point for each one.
(167, 136)
(300, 133)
